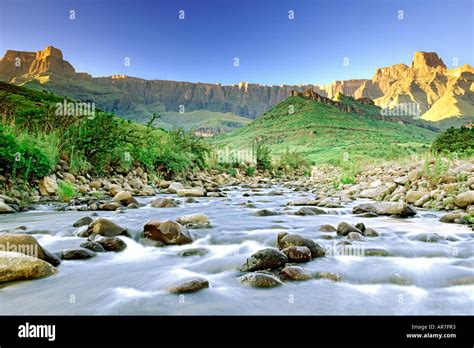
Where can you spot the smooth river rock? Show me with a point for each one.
(167, 232)
(264, 259)
(17, 266)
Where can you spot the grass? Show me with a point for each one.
(324, 134)
(66, 191)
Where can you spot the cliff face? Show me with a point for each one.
(440, 92)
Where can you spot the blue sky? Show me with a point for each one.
(272, 49)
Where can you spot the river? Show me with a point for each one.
(417, 278)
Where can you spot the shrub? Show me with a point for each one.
(66, 191)
(293, 160)
(250, 171)
(455, 140)
(22, 157)
(263, 154)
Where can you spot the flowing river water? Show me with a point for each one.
(416, 278)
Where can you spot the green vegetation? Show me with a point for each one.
(455, 141)
(322, 133)
(66, 191)
(33, 136)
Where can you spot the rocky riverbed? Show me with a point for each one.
(260, 247)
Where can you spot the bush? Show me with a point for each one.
(66, 191)
(293, 161)
(455, 140)
(250, 171)
(263, 154)
(22, 157)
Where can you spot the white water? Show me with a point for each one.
(136, 280)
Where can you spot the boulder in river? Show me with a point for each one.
(385, 208)
(285, 240)
(164, 202)
(125, 198)
(268, 258)
(430, 237)
(189, 286)
(328, 275)
(106, 228)
(18, 266)
(304, 201)
(85, 220)
(295, 273)
(5, 208)
(175, 187)
(28, 245)
(370, 232)
(167, 232)
(453, 216)
(265, 212)
(108, 243)
(344, 228)
(297, 254)
(197, 220)
(310, 211)
(77, 254)
(327, 228)
(194, 252)
(355, 236)
(94, 246)
(191, 192)
(111, 206)
(260, 280)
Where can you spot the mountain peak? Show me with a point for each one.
(49, 51)
(423, 60)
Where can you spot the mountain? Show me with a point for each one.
(323, 130)
(442, 94)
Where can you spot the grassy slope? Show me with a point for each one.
(202, 119)
(323, 133)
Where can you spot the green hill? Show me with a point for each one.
(323, 133)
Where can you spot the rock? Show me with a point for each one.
(264, 259)
(367, 215)
(414, 175)
(297, 254)
(402, 180)
(112, 206)
(93, 246)
(260, 280)
(343, 229)
(192, 192)
(175, 187)
(327, 228)
(48, 186)
(194, 252)
(28, 245)
(165, 202)
(167, 232)
(197, 220)
(113, 189)
(86, 220)
(106, 228)
(77, 254)
(310, 211)
(412, 196)
(385, 208)
(5, 208)
(360, 226)
(265, 212)
(108, 243)
(69, 177)
(125, 198)
(420, 202)
(82, 232)
(452, 217)
(370, 232)
(355, 236)
(464, 199)
(328, 275)
(295, 273)
(192, 285)
(373, 192)
(430, 238)
(286, 240)
(303, 201)
(18, 266)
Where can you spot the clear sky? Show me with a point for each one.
(272, 48)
